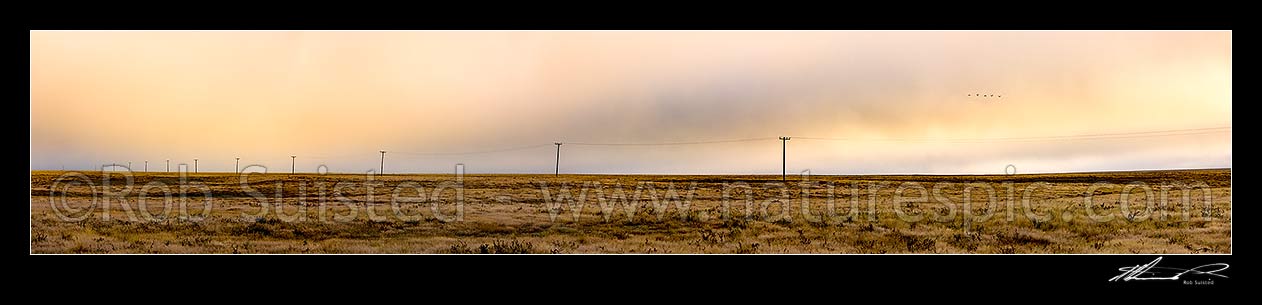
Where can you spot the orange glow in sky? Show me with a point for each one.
(337, 97)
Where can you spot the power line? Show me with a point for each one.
(1097, 136)
(472, 152)
(672, 143)
(322, 157)
(1141, 134)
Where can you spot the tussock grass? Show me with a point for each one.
(507, 214)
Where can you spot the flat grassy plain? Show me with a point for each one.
(72, 212)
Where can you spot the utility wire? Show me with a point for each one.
(670, 143)
(470, 152)
(320, 157)
(1098, 136)
(1142, 134)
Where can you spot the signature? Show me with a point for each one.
(1150, 271)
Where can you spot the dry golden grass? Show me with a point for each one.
(510, 214)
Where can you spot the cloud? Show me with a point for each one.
(100, 96)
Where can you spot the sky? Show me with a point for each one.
(901, 100)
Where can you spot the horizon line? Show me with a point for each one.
(668, 174)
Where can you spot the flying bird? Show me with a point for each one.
(984, 95)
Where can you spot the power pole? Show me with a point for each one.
(383, 162)
(194, 165)
(557, 171)
(784, 146)
(293, 164)
(129, 166)
(237, 166)
(146, 166)
(168, 165)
